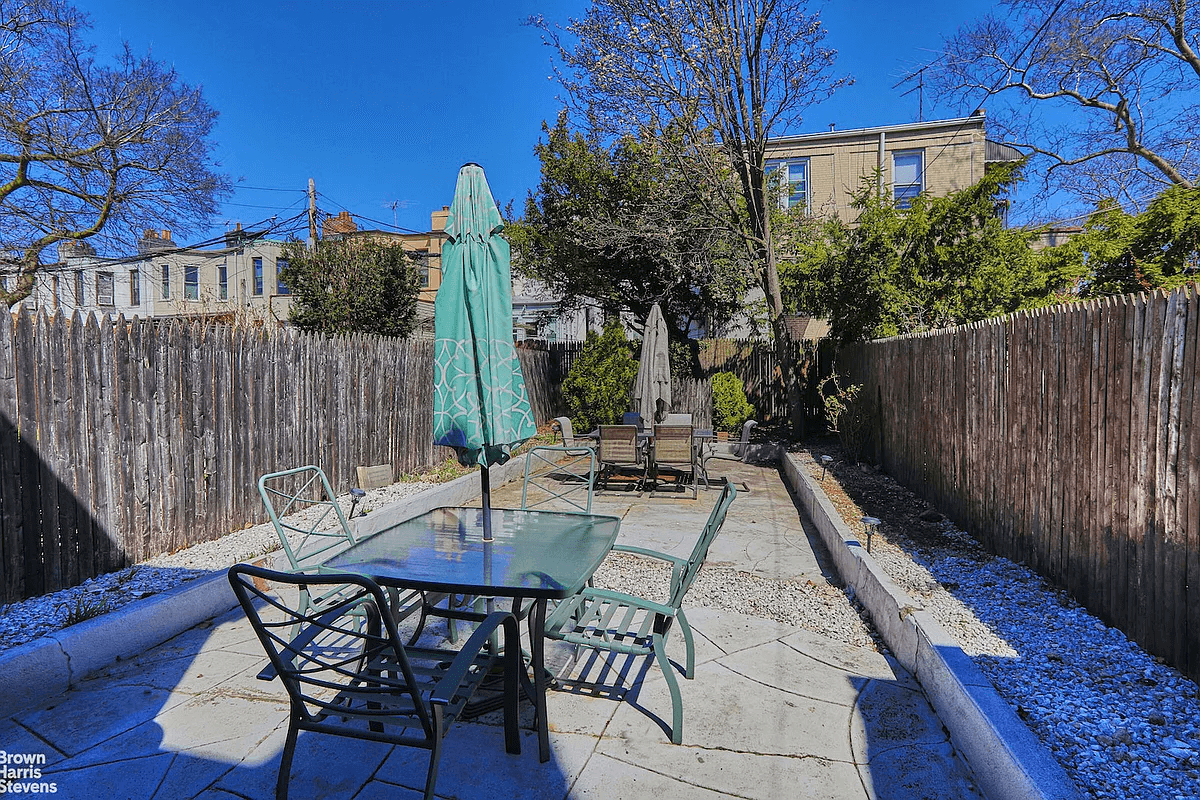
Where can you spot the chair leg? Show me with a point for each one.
(285, 762)
(690, 670)
(660, 653)
(435, 754)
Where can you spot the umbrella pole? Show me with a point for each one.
(486, 486)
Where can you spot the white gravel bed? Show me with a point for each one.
(1122, 723)
(27, 620)
(817, 607)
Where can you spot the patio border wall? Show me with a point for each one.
(60, 660)
(1008, 761)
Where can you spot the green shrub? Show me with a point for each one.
(730, 407)
(599, 385)
(850, 415)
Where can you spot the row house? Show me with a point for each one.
(821, 172)
(240, 280)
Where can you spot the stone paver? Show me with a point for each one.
(773, 711)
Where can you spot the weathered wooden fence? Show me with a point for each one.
(755, 362)
(122, 441)
(1064, 439)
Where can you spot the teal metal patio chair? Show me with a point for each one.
(623, 623)
(559, 475)
(347, 678)
(311, 528)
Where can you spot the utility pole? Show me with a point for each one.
(312, 215)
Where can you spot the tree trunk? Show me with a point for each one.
(787, 366)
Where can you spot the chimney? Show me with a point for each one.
(832, 125)
(340, 225)
(437, 220)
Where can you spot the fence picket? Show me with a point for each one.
(1064, 438)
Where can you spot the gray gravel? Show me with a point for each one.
(27, 620)
(817, 607)
(1122, 723)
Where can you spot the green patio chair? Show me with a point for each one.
(347, 678)
(311, 528)
(623, 623)
(559, 474)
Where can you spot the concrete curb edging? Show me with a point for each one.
(58, 661)
(1008, 761)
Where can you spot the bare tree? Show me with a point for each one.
(738, 70)
(1104, 93)
(89, 149)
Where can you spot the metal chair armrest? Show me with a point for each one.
(447, 687)
(642, 551)
(631, 600)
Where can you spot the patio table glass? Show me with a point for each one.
(535, 555)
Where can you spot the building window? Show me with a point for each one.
(792, 174)
(258, 278)
(135, 288)
(54, 290)
(280, 286)
(191, 282)
(223, 282)
(422, 259)
(166, 281)
(908, 174)
(78, 288)
(104, 289)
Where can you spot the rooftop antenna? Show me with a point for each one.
(919, 77)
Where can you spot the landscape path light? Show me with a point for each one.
(869, 526)
(357, 494)
(825, 462)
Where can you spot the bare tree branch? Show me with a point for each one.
(1087, 86)
(740, 69)
(90, 149)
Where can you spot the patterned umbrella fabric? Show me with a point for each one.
(653, 382)
(480, 405)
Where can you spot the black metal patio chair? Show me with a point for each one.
(346, 678)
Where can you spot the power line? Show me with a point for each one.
(1037, 35)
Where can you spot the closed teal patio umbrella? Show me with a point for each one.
(480, 405)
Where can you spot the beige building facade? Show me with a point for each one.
(821, 172)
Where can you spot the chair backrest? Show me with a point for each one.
(559, 475)
(673, 446)
(315, 653)
(307, 518)
(619, 445)
(563, 426)
(740, 448)
(633, 418)
(681, 579)
(677, 419)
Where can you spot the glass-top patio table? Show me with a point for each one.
(535, 555)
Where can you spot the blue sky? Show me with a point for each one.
(380, 101)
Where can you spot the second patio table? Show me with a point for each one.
(536, 555)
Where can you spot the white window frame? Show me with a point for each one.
(902, 192)
(785, 186)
